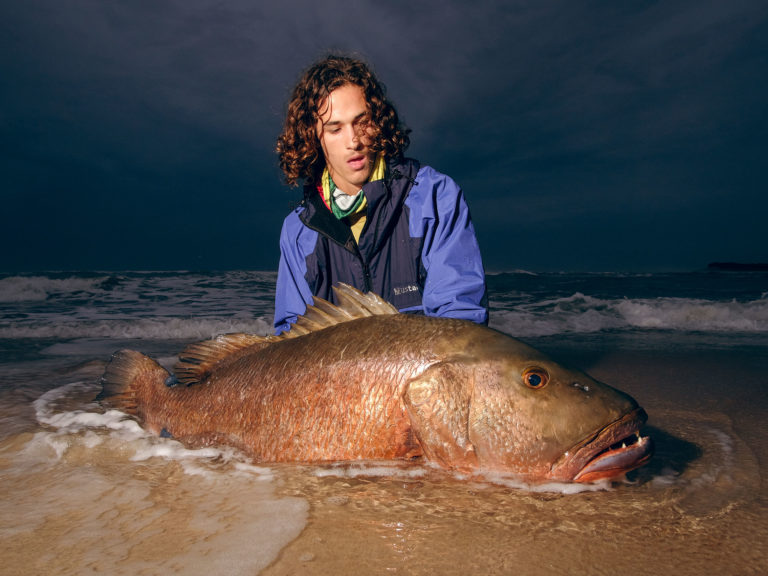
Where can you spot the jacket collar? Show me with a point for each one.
(384, 197)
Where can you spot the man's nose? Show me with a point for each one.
(353, 138)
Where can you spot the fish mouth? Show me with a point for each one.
(611, 452)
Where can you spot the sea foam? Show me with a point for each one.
(581, 314)
(197, 306)
(133, 503)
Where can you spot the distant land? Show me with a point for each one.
(739, 266)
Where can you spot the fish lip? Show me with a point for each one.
(594, 458)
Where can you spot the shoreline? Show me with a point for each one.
(677, 513)
(706, 411)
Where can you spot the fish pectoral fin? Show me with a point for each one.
(437, 402)
(198, 360)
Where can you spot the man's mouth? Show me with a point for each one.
(357, 162)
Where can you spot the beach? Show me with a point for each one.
(700, 507)
(86, 491)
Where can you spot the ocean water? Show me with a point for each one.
(727, 308)
(88, 492)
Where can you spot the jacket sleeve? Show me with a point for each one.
(292, 293)
(454, 285)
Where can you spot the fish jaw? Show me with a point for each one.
(609, 453)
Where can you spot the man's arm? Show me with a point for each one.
(292, 293)
(455, 279)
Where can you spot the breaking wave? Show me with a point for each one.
(39, 288)
(159, 328)
(199, 305)
(580, 313)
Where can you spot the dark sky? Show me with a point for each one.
(600, 135)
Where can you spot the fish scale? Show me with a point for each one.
(360, 381)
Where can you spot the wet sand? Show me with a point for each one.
(700, 507)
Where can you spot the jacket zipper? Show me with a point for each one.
(355, 250)
(367, 281)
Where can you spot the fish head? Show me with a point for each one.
(531, 416)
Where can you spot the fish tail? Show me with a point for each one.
(129, 380)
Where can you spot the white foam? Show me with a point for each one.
(548, 487)
(409, 471)
(138, 305)
(37, 288)
(136, 523)
(579, 314)
(665, 478)
(370, 469)
(87, 428)
(168, 328)
(188, 306)
(116, 486)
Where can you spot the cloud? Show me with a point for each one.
(567, 114)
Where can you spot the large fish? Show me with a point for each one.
(360, 381)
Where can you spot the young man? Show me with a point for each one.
(370, 217)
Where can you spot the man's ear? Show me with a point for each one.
(437, 402)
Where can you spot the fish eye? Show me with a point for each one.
(535, 378)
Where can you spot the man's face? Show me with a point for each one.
(343, 128)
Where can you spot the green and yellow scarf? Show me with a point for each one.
(353, 209)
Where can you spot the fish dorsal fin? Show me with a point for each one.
(198, 360)
(353, 304)
(370, 304)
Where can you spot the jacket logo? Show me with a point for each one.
(400, 290)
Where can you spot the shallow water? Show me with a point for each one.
(700, 507)
(86, 492)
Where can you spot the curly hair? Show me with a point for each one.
(298, 147)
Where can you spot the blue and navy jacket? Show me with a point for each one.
(417, 249)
